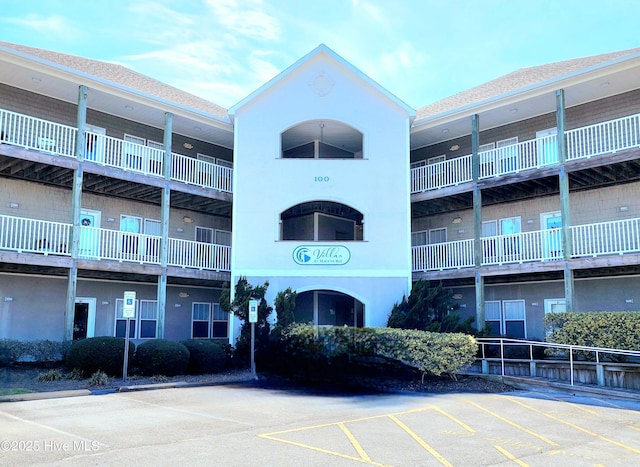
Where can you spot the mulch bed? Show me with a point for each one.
(26, 378)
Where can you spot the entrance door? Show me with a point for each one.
(84, 318)
(130, 225)
(89, 234)
(152, 245)
(509, 228)
(547, 146)
(551, 223)
(95, 141)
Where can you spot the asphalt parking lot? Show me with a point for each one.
(247, 425)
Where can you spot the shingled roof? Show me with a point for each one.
(123, 76)
(518, 79)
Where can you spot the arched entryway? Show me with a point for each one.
(329, 308)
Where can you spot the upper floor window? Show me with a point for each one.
(321, 221)
(321, 139)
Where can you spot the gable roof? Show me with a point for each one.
(318, 50)
(517, 80)
(123, 76)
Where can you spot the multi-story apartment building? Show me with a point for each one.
(520, 195)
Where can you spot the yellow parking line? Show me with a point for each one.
(358, 447)
(325, 451)
(422, 443)
(511, 457)
(515, 425)
(584, 430)
(451, 417)
(634, 428)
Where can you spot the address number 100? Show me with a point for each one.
(320, 178)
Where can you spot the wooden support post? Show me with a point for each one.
(164, 226)
(76, 206)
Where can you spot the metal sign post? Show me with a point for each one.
(128, 312)
(253, 319)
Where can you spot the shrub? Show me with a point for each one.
(99, 378)
(50, 375)
(612, 330)
(42, 351)
(5, 356)
(98, 353)
(339, 349)
(205, 356)
(161, 357)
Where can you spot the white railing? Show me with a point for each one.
(539, 245)
(605, 238)
(35, 133)
(603, 138)
(525, 155)
(121, 154)
(196, 172)
(439, 256)
(97, 243)
(42, 135)
(593, 140)
(35, 236)
(190, 254)
(441, 174)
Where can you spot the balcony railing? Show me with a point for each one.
(36, 236)
(598, 239)
(42, 135)
(581, 143)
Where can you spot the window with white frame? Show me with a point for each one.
(416, 164)
(134, 152)
(208, 321)
(507, 151)
(437, 235)
(156, 157)
(506, 318)
(209, 235)
(419, 238)
(143, 326)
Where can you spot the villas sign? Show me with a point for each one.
(321, 255)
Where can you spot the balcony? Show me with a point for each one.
(56, 139)
(25, 235)
(588, 240)
(581, 143)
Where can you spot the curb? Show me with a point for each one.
(32, 396)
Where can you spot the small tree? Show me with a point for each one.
(244, 292)
(285, 304)
(427, 309)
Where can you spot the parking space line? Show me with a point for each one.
(50, 428)
(634, 428)
(577, 427)
(511, 457)
(358, 447)
(422, 443)
(452, 418)
(514, 424)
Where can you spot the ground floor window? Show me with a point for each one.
(506, 318)
(143, 326)
(208, 321)
(329, 308)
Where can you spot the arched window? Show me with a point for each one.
(321, 221)
(321, 139)
(328, 308)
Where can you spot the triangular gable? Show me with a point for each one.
(321, 49)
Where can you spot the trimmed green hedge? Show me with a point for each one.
(102, 353)
(161, 357)
(43, 351)
(429, 352)
(612, 330)
(205, 356)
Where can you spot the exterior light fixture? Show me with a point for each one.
(514, 111)
(455, 147)
(183, 295)
(188, 145)
(445, 130)
(457, 220)
(128, 107)
(187, 220)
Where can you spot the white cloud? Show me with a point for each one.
(52, 25)
(249, 19)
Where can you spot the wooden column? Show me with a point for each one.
(477, 220)
(565, 206)
(165, 208)
(76, 206)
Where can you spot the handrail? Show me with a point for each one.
(502, 341)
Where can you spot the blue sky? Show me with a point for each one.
(420, 50)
